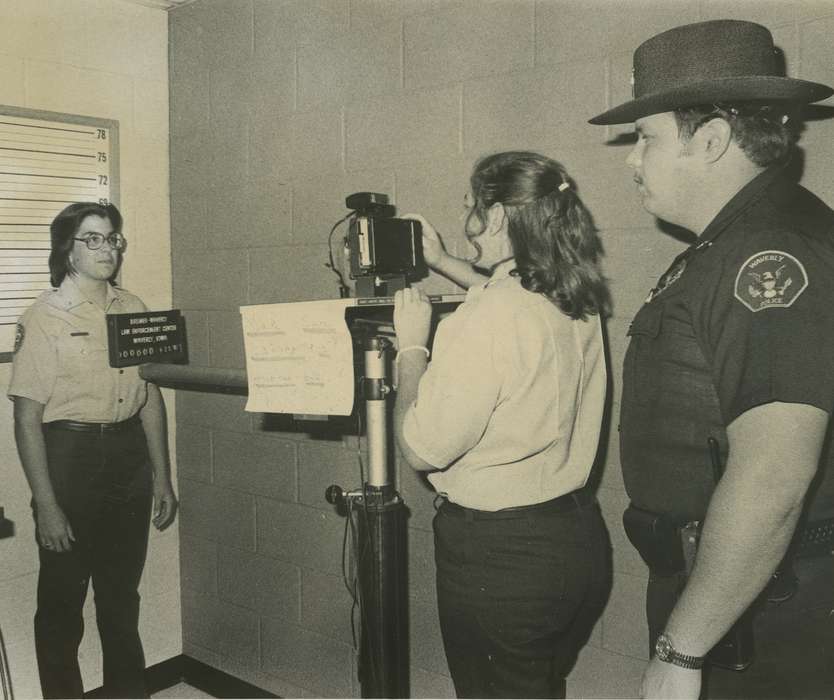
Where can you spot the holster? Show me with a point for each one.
(669, 549)
(657, 539)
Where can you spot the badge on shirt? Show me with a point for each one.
(770, 279)
(18, 336)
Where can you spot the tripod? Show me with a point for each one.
(381, 545)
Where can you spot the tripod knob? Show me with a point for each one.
(334, 494)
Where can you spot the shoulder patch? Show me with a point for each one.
(19, 332)
(770, 279)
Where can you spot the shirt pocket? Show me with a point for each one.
(643, 362)
(81, 356)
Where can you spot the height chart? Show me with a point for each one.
(45, 164)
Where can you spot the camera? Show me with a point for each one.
(384, 252)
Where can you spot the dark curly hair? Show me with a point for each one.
(553, 237)
(63, 229)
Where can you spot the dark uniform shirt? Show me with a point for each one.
(744, 317)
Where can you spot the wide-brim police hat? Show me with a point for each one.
(705, 63)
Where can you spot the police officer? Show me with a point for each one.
(732, 349)
(92, 442)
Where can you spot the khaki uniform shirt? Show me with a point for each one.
(510, 406)
(61, 358)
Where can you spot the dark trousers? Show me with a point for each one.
(519, 596)
(102, 483)
(793, 640)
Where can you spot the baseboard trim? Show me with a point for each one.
(166, 674)
(183, 668)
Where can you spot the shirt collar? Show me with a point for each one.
(500, 271)
(739, 202)
(69, 295)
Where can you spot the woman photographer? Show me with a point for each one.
(92, 442)
(506, 419)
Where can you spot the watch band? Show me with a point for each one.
(665, 651)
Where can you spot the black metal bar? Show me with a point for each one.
(219, 379)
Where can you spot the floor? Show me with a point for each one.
(181, 690)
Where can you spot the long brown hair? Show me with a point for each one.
(554, 240)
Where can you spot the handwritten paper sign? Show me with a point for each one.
(299, 357)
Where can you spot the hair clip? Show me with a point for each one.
(730, 109)
(564, 186)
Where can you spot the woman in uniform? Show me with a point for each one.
(506, 421)
(92, 442)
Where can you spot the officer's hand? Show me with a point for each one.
(433, 250)
(164, 503)
(412, 317)
(664, 680)
(54, 530)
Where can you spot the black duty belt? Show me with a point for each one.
(560, 504)
(84, 427)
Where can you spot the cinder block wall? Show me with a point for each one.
(279, 110)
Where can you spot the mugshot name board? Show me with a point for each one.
(47, 161)
(146, 336)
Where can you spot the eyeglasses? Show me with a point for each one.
(94, 241)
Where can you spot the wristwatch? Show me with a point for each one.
(665, 651)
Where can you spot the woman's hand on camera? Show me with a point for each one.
(54, 531)
(412, 317)
(433, 250)
(456, 269)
